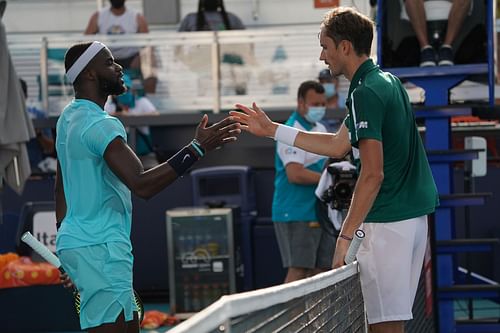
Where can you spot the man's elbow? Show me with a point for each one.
(145, 190)
(295, 177)
(142, 192)
(376, 178)
(339, 151)
(58, 193)
(292, 179)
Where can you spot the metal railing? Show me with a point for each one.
(208, 71)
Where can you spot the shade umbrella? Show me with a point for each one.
(15, 126)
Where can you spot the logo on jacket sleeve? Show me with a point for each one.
(362, 124)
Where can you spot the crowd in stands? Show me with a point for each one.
(118, 18)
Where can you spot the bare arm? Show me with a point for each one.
(255, 121)
(127, 166)
(335, 145)
(92, 27)
(59, 196)
(145, 184)
(298, 174)
(366, 190)
(142, 24)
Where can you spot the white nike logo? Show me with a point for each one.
(185, 157)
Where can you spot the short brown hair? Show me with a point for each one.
(345, 23)
(309, 85)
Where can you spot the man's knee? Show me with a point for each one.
(387, 327)
(297, 273)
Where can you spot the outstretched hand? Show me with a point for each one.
(254, 120)
(218, 134)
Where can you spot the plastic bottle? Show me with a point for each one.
(207, 297)
(181, 245)
(186, 295)
(196, 298)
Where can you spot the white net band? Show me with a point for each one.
(233, 309)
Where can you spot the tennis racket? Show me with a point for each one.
(353, 248)
(46, 254)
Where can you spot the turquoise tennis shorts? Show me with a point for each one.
(103, 276)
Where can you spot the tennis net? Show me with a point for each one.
(327, 302)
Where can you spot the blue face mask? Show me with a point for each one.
(127, 99)
(315, 113)
(330, 89)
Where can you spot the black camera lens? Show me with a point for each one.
(343, 191)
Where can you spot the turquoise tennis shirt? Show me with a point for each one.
(99, 205)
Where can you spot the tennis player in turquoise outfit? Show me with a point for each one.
(97, 172)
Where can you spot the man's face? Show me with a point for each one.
(117, 3)
(211, 5)
(312, 98)
(109, 73)
(331, 54)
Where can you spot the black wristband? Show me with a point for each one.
(182, 160)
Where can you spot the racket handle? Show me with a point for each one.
(41, 249)
(353, 248)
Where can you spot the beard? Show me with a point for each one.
(111, 87)
(117, 3)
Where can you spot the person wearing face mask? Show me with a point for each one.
(330, 84)
(305, 248)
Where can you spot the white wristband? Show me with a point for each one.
(286, 134)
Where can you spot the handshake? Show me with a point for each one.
(252, 120)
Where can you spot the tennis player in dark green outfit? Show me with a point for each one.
(395, 190)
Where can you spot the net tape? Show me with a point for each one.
(327, 302)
